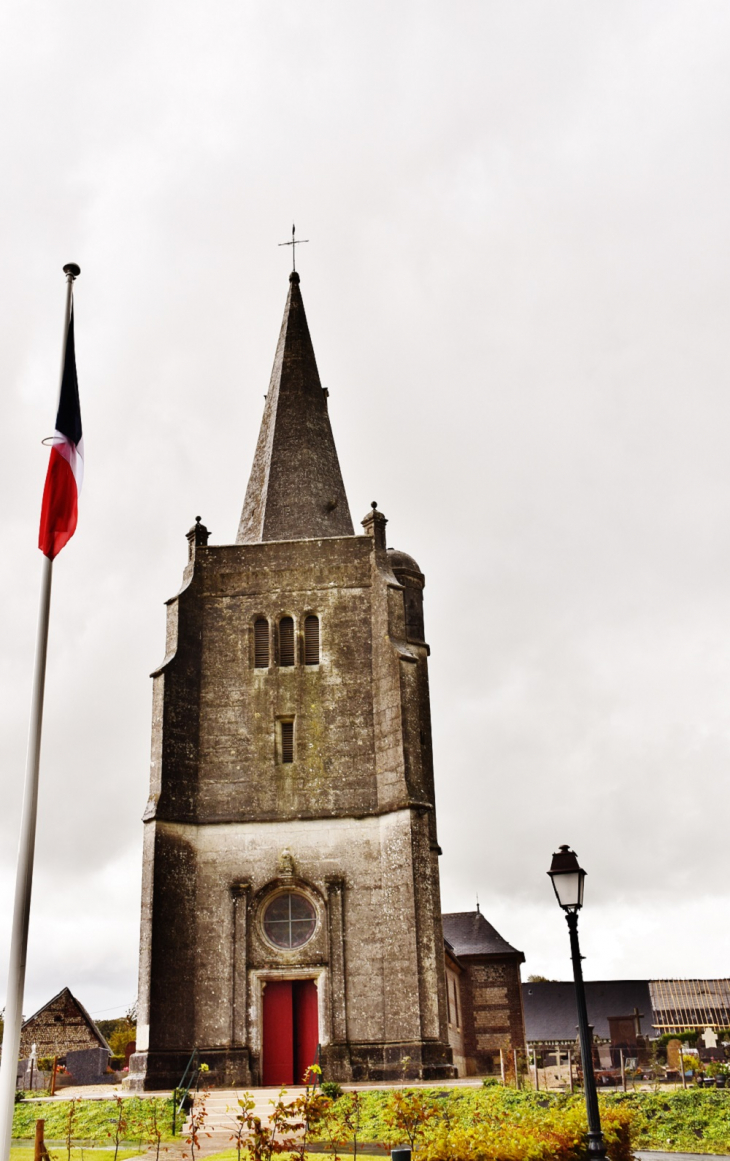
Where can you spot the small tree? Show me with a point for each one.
(120, 1126)
(407, 1112)
(198, 1116)
(260, 1142)
(345, 1116)
(247, 1104)
(309, 1109)
(69, 1128)
(154, 1130)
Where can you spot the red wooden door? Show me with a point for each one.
(278, 1046)
(306, 1027)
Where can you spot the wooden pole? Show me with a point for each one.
(681, 1068)
(501, 1066)
(570, 1068)
(517, 1075)
(623, 1070)
(53, 1076)
(39, 1147)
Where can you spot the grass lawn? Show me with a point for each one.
(95, 1120)
(24, 1153)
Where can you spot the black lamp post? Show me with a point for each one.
(568, 878)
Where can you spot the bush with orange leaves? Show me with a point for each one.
(527, 1134)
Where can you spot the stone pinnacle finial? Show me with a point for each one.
(374, 525)
(197, 537)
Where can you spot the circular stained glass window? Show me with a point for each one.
(289, 921)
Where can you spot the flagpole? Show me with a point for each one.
(26, 848)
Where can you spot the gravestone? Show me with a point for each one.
(29, 1076)
(709, 1038)
(674, 1047)
(89, 1066)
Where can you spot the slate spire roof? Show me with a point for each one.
(295, 491)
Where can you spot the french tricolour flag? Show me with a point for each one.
(66, 467)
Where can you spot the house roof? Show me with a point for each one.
(550, 1011)
(68, 997)
(680, 1004)
(469, 933)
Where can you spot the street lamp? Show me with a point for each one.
(568, 878)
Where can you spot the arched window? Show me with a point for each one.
(261, 643)
(311, 640)
(286, 641)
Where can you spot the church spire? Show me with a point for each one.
(295, 491)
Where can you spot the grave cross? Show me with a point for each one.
(710, 1038)
(638, 1017)
(294, 243)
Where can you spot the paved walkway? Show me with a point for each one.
(644, 1156)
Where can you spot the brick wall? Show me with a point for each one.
(491, 995)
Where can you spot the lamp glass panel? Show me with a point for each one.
(569, 888)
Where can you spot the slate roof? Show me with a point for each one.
(295, 491)
(550, 1012)
(469, 933)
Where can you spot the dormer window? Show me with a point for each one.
(286, 641)
(311, 640)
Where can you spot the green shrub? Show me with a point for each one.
(331, 1089)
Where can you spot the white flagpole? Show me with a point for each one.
(26, 848)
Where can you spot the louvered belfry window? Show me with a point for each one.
(261, 644)
(311, 640)
(286, 641)
(287, 741)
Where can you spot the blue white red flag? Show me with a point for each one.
(59, 513)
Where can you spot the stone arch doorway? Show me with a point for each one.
(290, 1030)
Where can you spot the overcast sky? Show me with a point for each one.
(517, 287)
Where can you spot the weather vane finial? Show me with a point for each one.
(294, 243)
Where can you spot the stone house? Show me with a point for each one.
(62, 1025)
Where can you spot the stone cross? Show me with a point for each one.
(709, 1038)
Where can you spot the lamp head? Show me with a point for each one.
(568, 878)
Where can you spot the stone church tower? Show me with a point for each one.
(290, 907)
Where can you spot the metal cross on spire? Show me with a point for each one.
(294, 243)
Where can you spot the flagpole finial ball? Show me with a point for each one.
(72, 270)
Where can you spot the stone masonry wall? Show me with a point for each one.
(352, 814)
(58, 1028)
